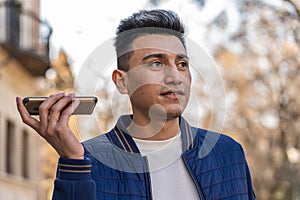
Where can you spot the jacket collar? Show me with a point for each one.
(122, 138)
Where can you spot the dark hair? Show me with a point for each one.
(145, 22)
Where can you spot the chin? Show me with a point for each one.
(174, 113)
(167, 112)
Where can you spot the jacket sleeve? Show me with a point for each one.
(249, 182)
(251, 193)
(74, 180)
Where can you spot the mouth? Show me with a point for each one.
(173, 94)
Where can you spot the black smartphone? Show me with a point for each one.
(85, 107)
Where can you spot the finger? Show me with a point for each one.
(26, 118)
(66, 114)
(45, 107)
(57, 109)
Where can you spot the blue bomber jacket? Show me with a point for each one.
(114, 169)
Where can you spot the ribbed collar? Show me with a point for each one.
(122, 138)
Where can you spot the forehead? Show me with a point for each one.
(158, 42)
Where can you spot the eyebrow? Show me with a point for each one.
(182, 56)
(159, 55)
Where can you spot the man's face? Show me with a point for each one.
(159, 76)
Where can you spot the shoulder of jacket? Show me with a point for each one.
(97, 143)
(215, 140)
(98, 139)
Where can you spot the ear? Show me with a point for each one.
(119, 78)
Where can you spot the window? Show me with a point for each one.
(10, 147)
(25, 152)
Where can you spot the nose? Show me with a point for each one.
(172, 76)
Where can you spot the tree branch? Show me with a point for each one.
(295, 6)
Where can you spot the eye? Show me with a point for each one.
(155, 64)
(183, 64)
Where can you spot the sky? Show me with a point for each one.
(80, 26)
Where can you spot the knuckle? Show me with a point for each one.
(50, 133)
(54, 109)
(67, 112)
(59, 128)
(42, 107)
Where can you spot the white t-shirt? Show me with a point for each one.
(169, 176)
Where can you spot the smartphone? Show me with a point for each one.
(85, 107)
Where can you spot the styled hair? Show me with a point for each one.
(142, 23)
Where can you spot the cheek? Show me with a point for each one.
(143, 93)
(140, 76)
(144, 84)
(188, 78)
(187, 82)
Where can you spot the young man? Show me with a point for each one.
(153, 153)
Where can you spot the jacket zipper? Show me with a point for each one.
(149, 178)
(194, 179)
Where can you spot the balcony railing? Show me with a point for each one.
(25, 37)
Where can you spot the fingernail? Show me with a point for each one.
(76, 102)
(61, 92)
(71, 94)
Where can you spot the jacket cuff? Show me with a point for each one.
(72, 169)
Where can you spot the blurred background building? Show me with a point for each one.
(24, 64)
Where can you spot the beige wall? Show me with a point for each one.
(15, 81)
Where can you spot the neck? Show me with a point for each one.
(155, 129)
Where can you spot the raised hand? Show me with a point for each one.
(54, 114)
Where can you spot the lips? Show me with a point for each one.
(173, 94)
